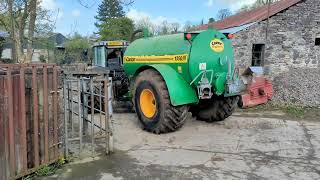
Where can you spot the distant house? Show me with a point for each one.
(3, 36)
(42, 47)
(284, 38)
(58, 39)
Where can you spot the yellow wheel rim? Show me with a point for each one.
(148, 103)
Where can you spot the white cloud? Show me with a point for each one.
(136, 16)
(48, 4)
(76, 13)
(209, 3)
(236, 4)
(52, 6)
(232, 4)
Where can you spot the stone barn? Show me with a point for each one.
(283, 38)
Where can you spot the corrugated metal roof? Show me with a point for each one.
(237, 29)
(255, 15)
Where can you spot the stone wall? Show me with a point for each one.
(290, 46)
(298, 86)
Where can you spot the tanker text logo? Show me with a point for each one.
(179, 58)
(217, 45)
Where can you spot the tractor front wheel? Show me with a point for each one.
(152, 104)
(216, 109)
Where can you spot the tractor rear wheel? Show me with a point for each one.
(152, 103)
(216, 109)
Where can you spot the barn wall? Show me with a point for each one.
(290, 47)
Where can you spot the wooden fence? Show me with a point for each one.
(29, 115)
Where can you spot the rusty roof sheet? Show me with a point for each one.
(255, 15)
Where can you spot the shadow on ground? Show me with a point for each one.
(242, 147)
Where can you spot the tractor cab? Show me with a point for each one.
(109, 54)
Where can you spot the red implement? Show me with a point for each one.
(260, 91)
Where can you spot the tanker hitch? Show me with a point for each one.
(204, 88)
(234, 84)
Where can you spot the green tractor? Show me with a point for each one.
(108, 55)
(173, 74)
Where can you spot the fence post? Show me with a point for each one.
(80, 115)
(110, 98)
(46, 114)
(23, 136)
(84, 105)
(11, 124)
(35, 116)
(55, 112)
(92, 114)
(106, 110)
(66, 102)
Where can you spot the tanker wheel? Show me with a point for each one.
(152, 104)
(216, 109)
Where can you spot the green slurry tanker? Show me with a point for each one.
(174, 74)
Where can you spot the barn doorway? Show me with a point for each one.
(258, 54)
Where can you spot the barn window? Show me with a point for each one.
(258, 54)
(317, 43)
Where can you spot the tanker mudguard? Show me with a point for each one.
(180, 92)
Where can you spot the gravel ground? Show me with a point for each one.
(242, 147)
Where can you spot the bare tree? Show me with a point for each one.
(187, 26)
(223, 13)
(163, 28)
(256, 4)
(31, 29)
(264, 2)
(175, 27)
(144, 22)
(20, 20)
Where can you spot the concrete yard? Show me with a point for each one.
(245, 146)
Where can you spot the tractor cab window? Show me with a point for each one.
(114, 58)
(258, 54)
(99, 56)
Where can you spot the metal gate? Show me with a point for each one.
(29, 118)
(87, 133)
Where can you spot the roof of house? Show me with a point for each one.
(252, 16)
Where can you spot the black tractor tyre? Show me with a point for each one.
(167, 118)
(118, 106)
(216, 109)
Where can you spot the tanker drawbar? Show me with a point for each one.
(173, 74)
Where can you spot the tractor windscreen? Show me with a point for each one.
(99, 56)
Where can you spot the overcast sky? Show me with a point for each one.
(70, 16)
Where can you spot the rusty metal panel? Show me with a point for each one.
(12, 157)
(3, 130)
(35, 116)
(23, 136)
(24, 116)
(46, 114)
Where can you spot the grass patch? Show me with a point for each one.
(47, 170)
(295, 111)
(290, 109)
